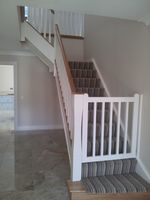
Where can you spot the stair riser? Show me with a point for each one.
(87, 83)
(96, 92)
(81, 65)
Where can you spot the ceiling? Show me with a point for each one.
(138, 10)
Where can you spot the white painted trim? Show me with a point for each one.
(77, 137)
(16, 53)
(101, 77)
(38, 41)
(142, 170)
(41, 127)
(14, 64)
(139, 125)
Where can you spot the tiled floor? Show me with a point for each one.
(33, 165)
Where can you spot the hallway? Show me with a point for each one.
(33, 165)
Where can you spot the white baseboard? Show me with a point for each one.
(16, 53)
(36, 127)
(142, 171)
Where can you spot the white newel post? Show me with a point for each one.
(135, 125)
(76, 140)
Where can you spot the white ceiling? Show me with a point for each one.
(138, 10)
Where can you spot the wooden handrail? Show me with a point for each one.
(72, 86)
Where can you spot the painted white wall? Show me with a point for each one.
(38, 106)
(121, 49)
(74, 49)
(6, 79)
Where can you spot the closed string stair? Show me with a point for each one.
(115, 176)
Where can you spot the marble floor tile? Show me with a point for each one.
(37, 164)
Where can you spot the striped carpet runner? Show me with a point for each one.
(87, 81)
(116, 176)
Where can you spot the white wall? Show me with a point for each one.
(38, 105)
(6, 79)
(121, 48)
(74, 49)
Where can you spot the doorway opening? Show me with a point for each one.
(7, 97)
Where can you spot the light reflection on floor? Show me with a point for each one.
(7, 112)
(34, 165)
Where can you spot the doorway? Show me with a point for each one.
(7, 97)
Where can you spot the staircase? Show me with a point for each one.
(105, 177)
(101, 131)
(87, 81)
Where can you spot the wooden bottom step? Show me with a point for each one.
(77, 192)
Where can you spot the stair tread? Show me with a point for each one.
(120, 183)
(78, 191)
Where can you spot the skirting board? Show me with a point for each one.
(16, 53)
(142, 171)
(30, 128)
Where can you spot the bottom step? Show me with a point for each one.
(78, 192)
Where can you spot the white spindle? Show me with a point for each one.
(33, 16)
(110, 128)
(135, 124)
(118, 128)
(50, 25)
(102, 128)
(126, 128)
(37, 18)
(41, 20)
(45, 22)
(29, 14)
(94, 128)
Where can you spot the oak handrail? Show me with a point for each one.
(72, 86)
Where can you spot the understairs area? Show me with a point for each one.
(113, 179)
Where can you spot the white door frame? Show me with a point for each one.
(14, 64)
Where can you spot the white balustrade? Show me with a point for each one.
(128, 147)
(43, 20)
